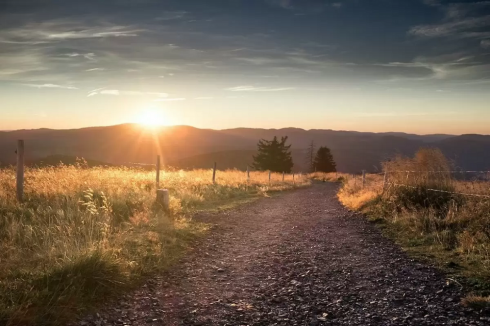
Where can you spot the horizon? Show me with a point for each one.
(418, 67)
(280, 128)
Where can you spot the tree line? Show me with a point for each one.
(275, 155)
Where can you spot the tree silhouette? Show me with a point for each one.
(324, 161)
(310, 157)
(273, 155)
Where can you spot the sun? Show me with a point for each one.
(152, 117)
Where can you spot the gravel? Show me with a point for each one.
(296, 259)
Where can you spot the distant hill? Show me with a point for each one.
(187, 147)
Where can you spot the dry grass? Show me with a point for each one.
(449, 229)
(476, 302)
(84, 235)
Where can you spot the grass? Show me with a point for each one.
(446, 229)
(85, 235)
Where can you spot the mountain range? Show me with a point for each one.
(188, 147)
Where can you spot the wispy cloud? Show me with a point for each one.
(103, 91)
(452, 28)
(49, 86)
(59, 30)
(90, 34)
(485, 44)
(88, 56)
(170, 99)
(258, 89)
(396, 114)
(172, 15)
(95, 69)
(204, 98)
(462, 19)
(286, 4)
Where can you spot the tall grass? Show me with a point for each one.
(446, 225)
(84, 235)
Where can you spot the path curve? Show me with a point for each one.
(296, 259)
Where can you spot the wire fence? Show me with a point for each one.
(473, 183)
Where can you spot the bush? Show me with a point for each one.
(448, 225)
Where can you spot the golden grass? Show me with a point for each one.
(476, 301)
(354, 196)
(443, 227)
(83, 235)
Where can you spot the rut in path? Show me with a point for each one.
(297, 259)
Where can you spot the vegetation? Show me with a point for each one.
(427, 209)
(273, 155)
(84, 235)
(324, 161)
(310, 158)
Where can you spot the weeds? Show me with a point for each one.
(83, 235)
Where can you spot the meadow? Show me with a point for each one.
(85, 235)
(435, 213)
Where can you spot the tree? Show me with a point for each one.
(324, 161)
(310, 157)
(274, 155)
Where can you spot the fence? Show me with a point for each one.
(162, 194)
(465, 183)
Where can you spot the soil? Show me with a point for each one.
(296, 259)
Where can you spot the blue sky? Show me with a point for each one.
(371, 65)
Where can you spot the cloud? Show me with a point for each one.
(452, 28)
(62, 30)
(286, 4)
(49, 86)
(171, 15)
(258, 89)
(95, 69)
(91, 33)
(170, 99)
(88, 56)
(204, 98)
(103, 91)
(337, 4)
(485, 44)
(110, 92)
(462, 19)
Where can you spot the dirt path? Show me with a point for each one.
(297, 259)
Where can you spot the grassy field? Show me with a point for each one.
(84, 235)
(448, 229)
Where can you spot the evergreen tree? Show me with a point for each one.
(273, 155)
(310, 158)
(324, 161)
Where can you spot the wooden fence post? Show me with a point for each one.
(163, 198)
(363, 178)
(283, 177)
(293, 179)
(248, 173)
(214, 173)
(20, 170)
(158, 171)
(269, 177)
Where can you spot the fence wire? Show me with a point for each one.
(438, 190)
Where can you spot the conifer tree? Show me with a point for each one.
(324, 161)
(273, 155)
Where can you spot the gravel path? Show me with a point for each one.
(296, 259)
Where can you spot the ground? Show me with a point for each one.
(296, 259)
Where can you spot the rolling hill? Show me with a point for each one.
(188, 147)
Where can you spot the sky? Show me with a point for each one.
(418, 66)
